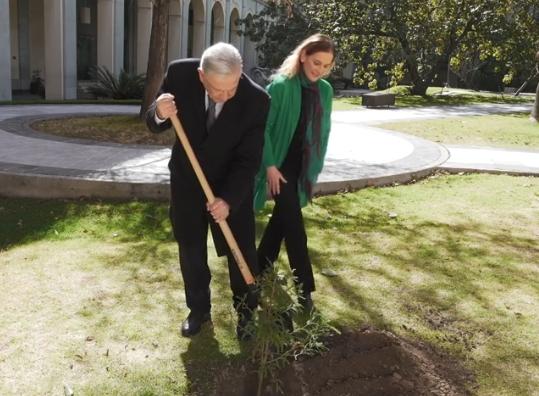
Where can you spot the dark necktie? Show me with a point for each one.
(210, 114)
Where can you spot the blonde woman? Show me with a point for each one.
(295, 142)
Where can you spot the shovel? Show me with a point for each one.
(225, 228)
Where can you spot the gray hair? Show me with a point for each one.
(221, 58)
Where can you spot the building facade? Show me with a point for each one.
(59, 41)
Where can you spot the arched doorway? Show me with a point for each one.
(233, 29)
(217, 29)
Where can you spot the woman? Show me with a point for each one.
(295, 143)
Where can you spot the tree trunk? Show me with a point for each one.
(156, 54)
(535, 110)
(419, 88)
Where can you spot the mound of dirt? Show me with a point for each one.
(361, 362)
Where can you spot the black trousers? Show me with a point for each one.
(287, 223)
(190, 223)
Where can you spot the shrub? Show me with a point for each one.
(125, 86)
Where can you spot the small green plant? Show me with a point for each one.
(37, 84)
(125, 86)
(276, 342)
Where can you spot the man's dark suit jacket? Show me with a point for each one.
(229, 153)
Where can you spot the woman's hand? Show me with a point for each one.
(274, 178)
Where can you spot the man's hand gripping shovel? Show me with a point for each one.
(225, 228)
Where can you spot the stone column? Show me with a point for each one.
(110, 34)
(5, 59)
(208, 20)
(227, 9)
(60, 29)
(185, 29)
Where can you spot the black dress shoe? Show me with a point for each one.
(245, 328)
(192, 324)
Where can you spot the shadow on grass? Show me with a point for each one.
(200, 361)
(428, 246)
(453, 259)
(29, 220)
(463, 263)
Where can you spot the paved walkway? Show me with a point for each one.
(359, 154)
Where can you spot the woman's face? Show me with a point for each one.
(316, 65)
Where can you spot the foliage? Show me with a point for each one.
(277, 29)
(385, 37)
(125, 86)
(276, 344)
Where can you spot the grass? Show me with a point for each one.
(436, 97)
(92, 297)
(126, 129)
(507, 130)
(69, 101)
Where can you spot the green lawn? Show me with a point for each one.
(436, 97)
(92, 297)
(492, 131)
(504, 130)
(70, 101)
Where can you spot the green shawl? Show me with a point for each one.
(282, 121)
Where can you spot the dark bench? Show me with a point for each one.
(375, 99)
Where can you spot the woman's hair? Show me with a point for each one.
(315, 43)
(221, 58)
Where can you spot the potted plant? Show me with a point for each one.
(37, 84)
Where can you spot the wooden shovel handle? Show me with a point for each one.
(225, 228)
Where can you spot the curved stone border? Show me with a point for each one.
(22, 126)
(424, 160)
(136, 181)
(40, 165)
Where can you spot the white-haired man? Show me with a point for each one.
(223, 113)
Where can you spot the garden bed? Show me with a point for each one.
(360, 362)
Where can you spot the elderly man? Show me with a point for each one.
(224, 114)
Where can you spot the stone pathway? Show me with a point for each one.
(359, 154)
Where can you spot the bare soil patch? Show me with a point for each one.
(361, 362)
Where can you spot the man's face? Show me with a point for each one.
(220, 87)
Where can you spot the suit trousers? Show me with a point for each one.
(190, 223)
(287, 223)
